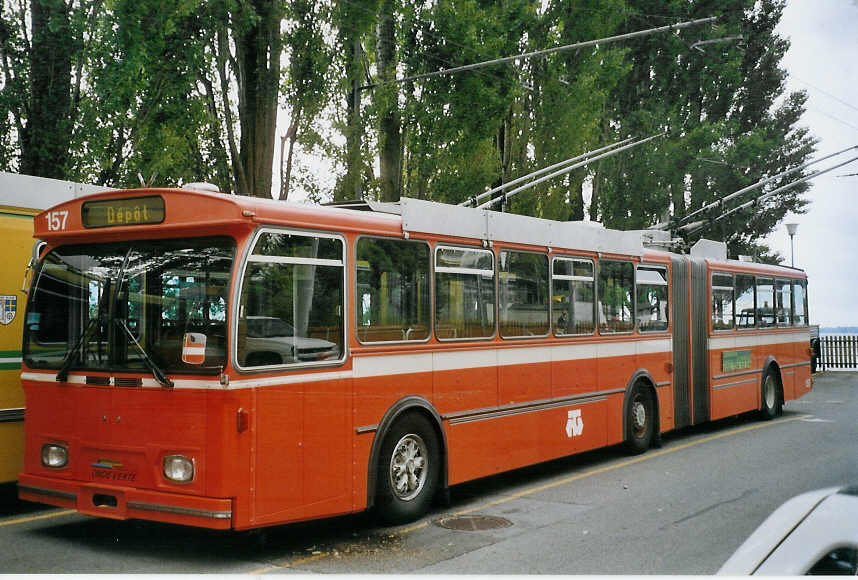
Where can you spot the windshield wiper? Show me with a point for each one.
(103, 307)
(156, 370)
(63, 373)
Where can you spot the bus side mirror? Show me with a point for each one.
(28, 271)
(194, 348)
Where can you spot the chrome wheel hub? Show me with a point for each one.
(639, 417)
(408, 467)
(770, 392)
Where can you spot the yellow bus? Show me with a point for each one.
(21, 198)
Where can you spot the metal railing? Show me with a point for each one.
(838, 352)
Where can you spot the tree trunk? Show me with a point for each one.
(218, 153)
(258, 47)
(241, 184)
(576, 203)
(387, 96)
(286, 174)
(352, 183)
(47, 135)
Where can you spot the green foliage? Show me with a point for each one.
(155, 90)
(725, 130)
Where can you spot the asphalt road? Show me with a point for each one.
(681, 509)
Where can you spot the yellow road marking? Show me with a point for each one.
(553, 484)
(37, 518)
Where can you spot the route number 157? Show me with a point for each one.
(57, 219)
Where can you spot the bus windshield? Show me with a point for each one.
(110, 307)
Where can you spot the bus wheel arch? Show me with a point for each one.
(641, 423)
(400, 412)
(771, 390)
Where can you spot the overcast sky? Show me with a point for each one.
(823, 60)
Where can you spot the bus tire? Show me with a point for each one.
(771, 406)
(409, 467)
(814, 355)
(640, 420)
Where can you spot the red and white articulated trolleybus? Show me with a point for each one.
(230, 362)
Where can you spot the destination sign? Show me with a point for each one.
(123, 212)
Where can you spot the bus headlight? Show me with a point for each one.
(54, 455)
(178, 468)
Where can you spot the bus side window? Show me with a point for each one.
(573, 287)
(616, 296)
(765, 302)
(799, 301)
(783, 302)
(464, 293)
(722, 301)
(392, 290)
(291, 307)
(746, 304)
(523, 294)
(651, 303)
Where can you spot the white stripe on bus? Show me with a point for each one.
(740, 340)
(368, 366)
(194, 350)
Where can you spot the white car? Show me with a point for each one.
(815, 533)
(272, 341)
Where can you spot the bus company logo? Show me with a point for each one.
(574, 423)
(111, 470)
(107, 464)
(9, 309)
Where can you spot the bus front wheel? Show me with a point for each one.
(640, 420)
(771, 406)
(408, 469)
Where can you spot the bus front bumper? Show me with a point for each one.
(122, 503)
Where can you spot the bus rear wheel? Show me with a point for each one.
(771, 406)
(640, 420)
(408, 470)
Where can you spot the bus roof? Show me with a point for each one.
(38, 193)
(407, 216)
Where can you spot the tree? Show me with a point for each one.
(387, 102)
(46, 136)
(719, 106)
(258, 45)
(353, 19)
(306, 88)
(14, 81)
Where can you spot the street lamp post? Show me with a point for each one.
(791, 229)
